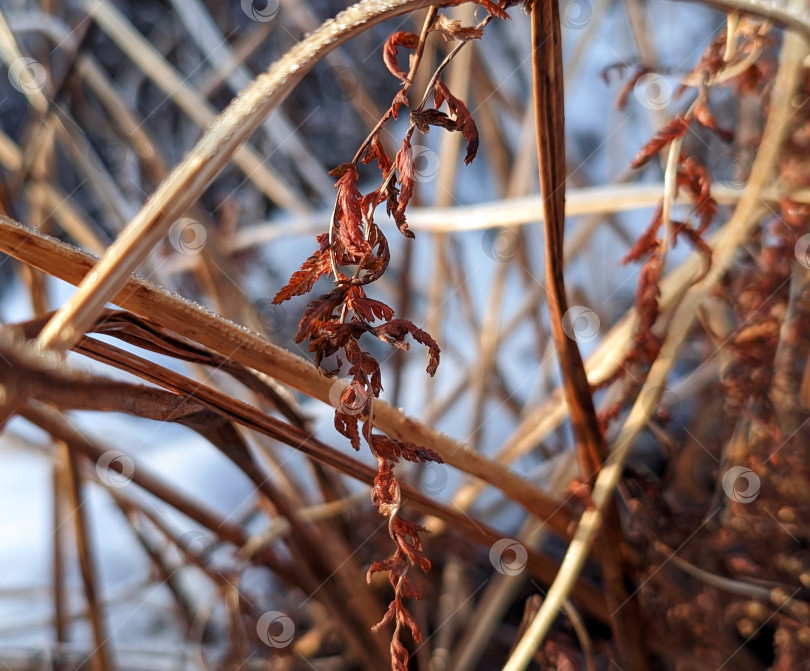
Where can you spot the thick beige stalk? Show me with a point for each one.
(189, 179)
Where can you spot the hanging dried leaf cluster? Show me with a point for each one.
(335, 322)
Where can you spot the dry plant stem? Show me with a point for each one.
(72, 221)
(144, 55)
(100, 660)
(300, 14)
(10, 52)
(256, 421)
(789, 16)
(448, 156)
(738, 229)
(502, 590)
(581, 631)
(601, 365)
(59, 519)
(792, 351)
(547, 70)
(166, 572)
(243, 48)
(54, 424)
(333, 224)
(509, 212)
(279, 130)
(251, 350)
(189, 179)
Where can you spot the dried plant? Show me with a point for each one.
(641, 505)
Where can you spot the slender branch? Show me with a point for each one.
(547, 70)
(99, 658)
(784, 16)
(253, 351)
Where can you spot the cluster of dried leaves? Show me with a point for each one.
(335, 322)
(754, 566)
(743, 71)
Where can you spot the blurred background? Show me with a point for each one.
(130, 88)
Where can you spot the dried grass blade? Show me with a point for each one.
(251, 350)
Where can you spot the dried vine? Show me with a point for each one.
(335, 322)
(732, 59)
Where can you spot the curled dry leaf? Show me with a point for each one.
(394, 332)
(704, 116)
(391, 52)
(451, 29)
(674, 129)
(464, 121)
(404, 163)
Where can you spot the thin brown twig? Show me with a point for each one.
(547, 70)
